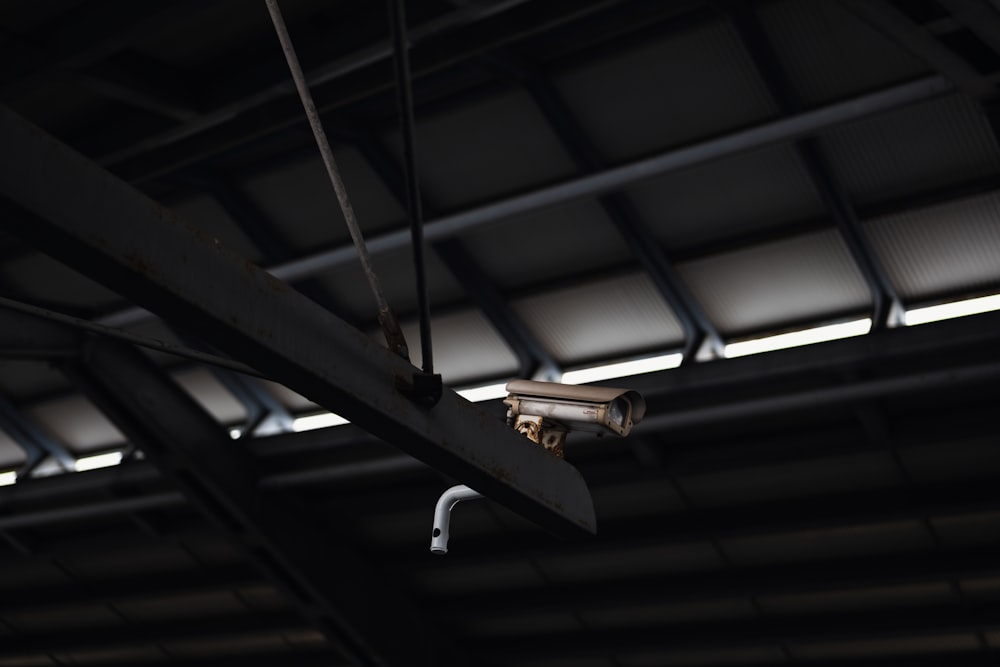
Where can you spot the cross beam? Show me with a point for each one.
(72, 209)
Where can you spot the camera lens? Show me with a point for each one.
(617, 411)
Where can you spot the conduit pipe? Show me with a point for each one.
(442, 515)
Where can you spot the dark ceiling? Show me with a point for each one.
(602, 180)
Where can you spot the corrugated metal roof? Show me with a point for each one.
(771, 285)
(302, 206)
(878, 161)
(727, 197)
(11, 455)
(601, 319)
(209, 392)
(485, 148)
(466, 348)
(75, 422)
(943, 249)
(628, 102)
(527, 249)
(349, 287)
(829, 54)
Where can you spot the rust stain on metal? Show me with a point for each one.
(137, 262)
(272, 282)
(501, 474)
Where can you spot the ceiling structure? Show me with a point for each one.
(602, 180)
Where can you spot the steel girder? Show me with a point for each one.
(110, 232)
(329, 584)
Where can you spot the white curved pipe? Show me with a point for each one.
(442, 515)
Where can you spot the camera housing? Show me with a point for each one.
(546, 411)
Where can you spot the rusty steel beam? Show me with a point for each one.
(72, 209)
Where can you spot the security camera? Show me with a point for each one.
(546, 411)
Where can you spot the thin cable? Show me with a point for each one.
(404, 100)
(390, 326)
(141, 341)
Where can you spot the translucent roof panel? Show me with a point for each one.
(210, 393)
(662, 92)
(11, 454)
(538, 246)
(878, 160)
(300, 202)
(75, 422)
(602, 319)
(727, 197)
(828, 53)
(349, 287)
(768, 286)
(949, 248)
(466, 348)
(485, 148)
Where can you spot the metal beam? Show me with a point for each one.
(296, 657)
(697, 326)
(804, 516)
(263, 411)
(706, 638)
(895, 25)
(613, 179)
(322, 74)
(330, 586)
(887, 308)
(617, 589)
(105, 229)
(978, 16)
(142, 82)
(531, 354)
(148, 635)
(261, 232)
(35, 443)
(129, 589)
(84, 36)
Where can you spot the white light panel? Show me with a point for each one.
(799, 338)
(947, 311)
(623, 369)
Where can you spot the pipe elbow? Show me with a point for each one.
(442, 515)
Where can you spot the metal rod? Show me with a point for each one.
(760, 136)
(404, 100)
(325, 73)
(390, 326)
(141, 341)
